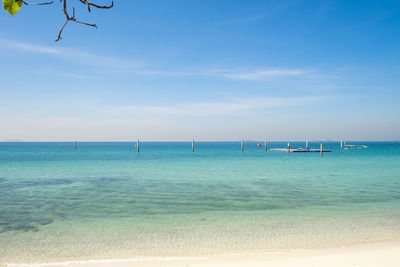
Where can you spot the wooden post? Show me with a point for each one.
(241, 144)
(137, 146)
(192, 145)
(322, 149)
(288, 147)
(75, 144)
(266, 145)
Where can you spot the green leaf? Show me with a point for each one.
(12, 6)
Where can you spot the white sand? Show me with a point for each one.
(365, 255)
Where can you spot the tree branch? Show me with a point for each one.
(73, 18)
(89, 4)
(37, 4)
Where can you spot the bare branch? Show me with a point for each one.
(68, 17)
(37, 4)
(61, 30)
(73, 17)
(89, 4)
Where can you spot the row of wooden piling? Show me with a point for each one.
(241, 145)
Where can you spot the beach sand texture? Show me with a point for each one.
(361, 255)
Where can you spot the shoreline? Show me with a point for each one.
(365, 254)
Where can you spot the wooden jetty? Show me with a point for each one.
(300, 150)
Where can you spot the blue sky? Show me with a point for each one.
(209, 70)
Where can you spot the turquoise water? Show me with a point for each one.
(105, 201)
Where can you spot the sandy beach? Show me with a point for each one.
(373, 254)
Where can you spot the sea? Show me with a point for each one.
(105, 201)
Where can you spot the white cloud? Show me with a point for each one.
(136, 67)
(223, 120)
(31, 47)
(260, 74)
(254, 74)
(59, 73)
(235, 106)
(74, 55)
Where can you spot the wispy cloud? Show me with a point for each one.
(31, 47)
(139, 68)
(60, 73)
(75, 55)
(254, 74)
(273, 10)
(259, 74)
(229, 107)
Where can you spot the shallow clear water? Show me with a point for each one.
(104, 200)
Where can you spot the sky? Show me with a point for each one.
(210, 70)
